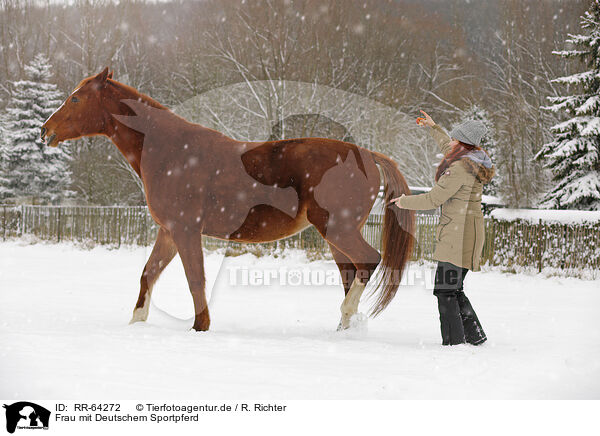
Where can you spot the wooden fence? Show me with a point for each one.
(508, 243)
(97, 224)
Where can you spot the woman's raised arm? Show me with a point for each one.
(439, 135)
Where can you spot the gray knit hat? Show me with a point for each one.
(470, 132)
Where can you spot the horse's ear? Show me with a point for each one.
(102, 76)
(110, 75)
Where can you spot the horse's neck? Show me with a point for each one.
(130, 144)
(129, 141)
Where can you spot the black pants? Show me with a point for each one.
(449, 278)
(458, 320)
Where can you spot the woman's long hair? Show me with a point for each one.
(456, 153)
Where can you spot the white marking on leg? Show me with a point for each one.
(349, 306)
(141, 313)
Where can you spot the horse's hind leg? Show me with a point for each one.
(365, 258)
(346, 239)
(352, 295)
(163, 252)
(346, 267)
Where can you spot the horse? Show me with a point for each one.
(198, 181)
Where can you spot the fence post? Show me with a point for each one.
(22, 229)
(539, 246)
(119, 224)
(58, 224)
(145, 227)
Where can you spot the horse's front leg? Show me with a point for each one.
(189, 245)
(163, 252)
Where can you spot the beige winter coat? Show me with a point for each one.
(460, 233)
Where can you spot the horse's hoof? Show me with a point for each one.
(358, 321)
(341, 327)
(138, 316)
(201, 327)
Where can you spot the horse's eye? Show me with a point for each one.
(74, 99)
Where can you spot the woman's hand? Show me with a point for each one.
(427, 121)
(396, 201)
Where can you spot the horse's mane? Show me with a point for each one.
(129, 90)
(135, 94)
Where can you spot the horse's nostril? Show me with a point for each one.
(43, 132)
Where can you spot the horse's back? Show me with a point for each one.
(290, 161)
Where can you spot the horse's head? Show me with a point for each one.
(82, 113)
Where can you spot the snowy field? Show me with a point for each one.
(64, 334)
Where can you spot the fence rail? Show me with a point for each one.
(508, 243)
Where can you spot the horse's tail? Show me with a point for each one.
(397, 236)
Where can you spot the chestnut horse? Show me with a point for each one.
(200, 182)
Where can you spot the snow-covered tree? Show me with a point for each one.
(3, 162)
(574, 155)
(31, 167)
(488, 142)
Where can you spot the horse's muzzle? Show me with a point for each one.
(50, 140)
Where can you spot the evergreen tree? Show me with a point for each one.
(3, 162)
(573, 156)
(488, 142)
(31, 167)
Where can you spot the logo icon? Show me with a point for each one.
(26, 415)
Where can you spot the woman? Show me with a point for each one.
(459, 181)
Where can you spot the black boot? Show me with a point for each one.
(450, 321)
(474, 333)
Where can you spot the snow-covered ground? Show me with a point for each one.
(64, 333)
